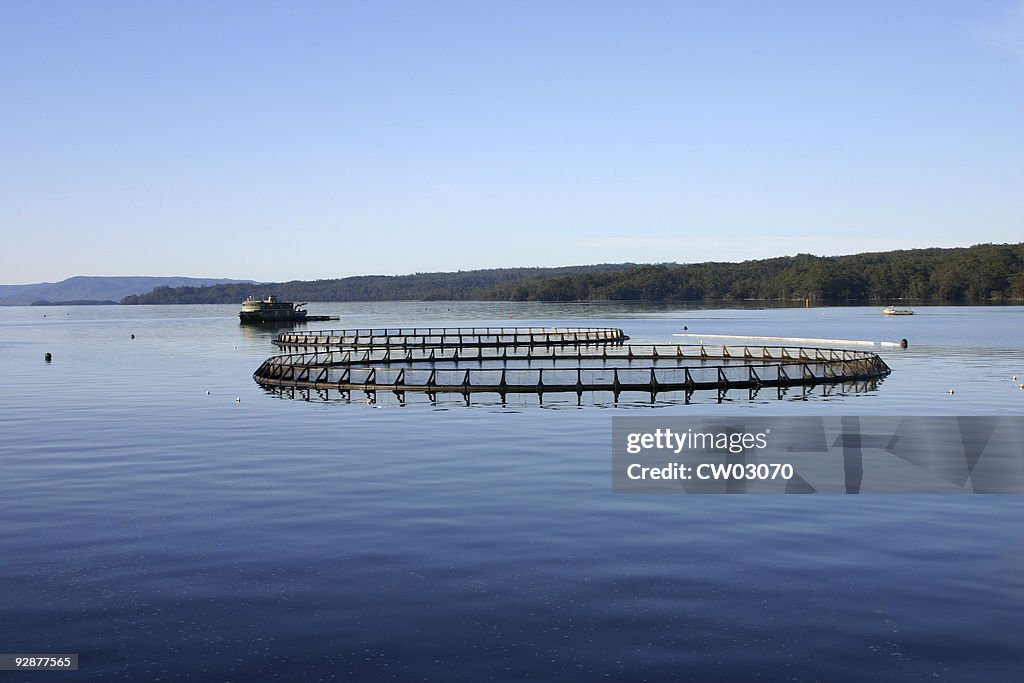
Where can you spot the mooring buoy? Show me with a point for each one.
(47, 357)
(133, 336)
(951, 391)
(904, 343)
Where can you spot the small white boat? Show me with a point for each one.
(897, 311)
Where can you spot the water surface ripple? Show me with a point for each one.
(164, 533)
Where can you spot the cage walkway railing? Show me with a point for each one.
(668, 353)
(650, 369)
(446, 337)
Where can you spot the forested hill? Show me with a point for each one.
(419, 286)
(987, 272)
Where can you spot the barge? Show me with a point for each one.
(270, 310)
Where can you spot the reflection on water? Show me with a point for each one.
(550, 398)
(161, 531)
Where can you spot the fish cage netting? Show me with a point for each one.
(507, 361)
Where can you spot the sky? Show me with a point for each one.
(305, 140)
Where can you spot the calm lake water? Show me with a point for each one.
(163, 533)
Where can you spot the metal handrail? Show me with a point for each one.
(370, 369)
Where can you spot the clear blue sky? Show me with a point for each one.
(301, 140)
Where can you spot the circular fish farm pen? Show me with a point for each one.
(539, 362)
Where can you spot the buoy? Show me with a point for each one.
(1021, 386)
(951, 391)
(207, 392)
(133, 336)
(47, 357)
(904, 344)
(237, 399)
(1014, 378)
(685, 327)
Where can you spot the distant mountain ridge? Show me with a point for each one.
(99, 288)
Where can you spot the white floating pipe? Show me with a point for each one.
(792, 339)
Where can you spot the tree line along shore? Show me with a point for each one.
(982, 273)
